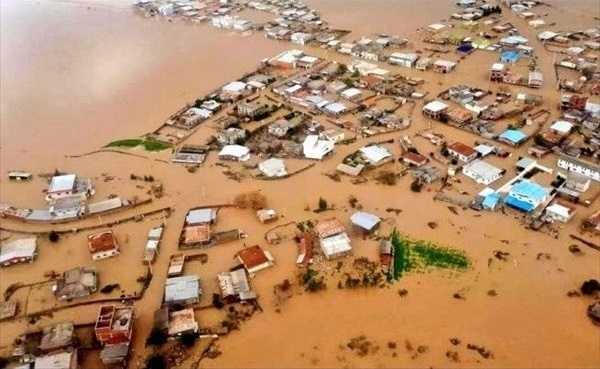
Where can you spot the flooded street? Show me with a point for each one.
(78, 75)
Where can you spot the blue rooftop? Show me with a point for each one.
(519, 204)
(491, 200)
(510, 56)
(513, 135)
(530, 190)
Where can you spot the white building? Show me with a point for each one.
(561, 127)
(234, 153)
(482, 172)
(235, 87)
(301, 38)
(273, 168)
(351, 93)
(335, 108)
(375, 154)
(407, 60)
(314, 148)
(18, 251)
(336, 246)
(579, 166)
(560, 212)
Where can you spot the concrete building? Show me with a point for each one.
(62, 360)
(434, 109)
(18, 251)
(314, 148)
(76, 283)
(184, 290)
(103, 245)
(577, 182)
(407, 60)
(560, 212)
(526, 195)
(180, 322)
(368, 223)
(57, 337)
(114, 325)
(234, 153)
(497, 72)
(579, 166)
(443, 66)
(482, 172)
(273, 168)
(255, 259)
(333, 238)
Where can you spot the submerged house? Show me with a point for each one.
(255, 259)
(18, 251)
(526, 196)
(184, 290)
(103, 245)
(68, 185)
(368, 223)
(333, 238)
(76, 283)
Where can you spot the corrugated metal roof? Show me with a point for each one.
(201, 216)
(105, 205)
(182, 288)
(62, 183)
(365, 220)
(20, 248)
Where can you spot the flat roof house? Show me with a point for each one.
(103, 245)
(577, 182)
(560, 212)
(434, 109)
(184, 290)
(351, 93)
(407, 60)
(234, 153)
(62, 360)
(273, 168)
(579, 166)
(535, 80)
(365, 221)
(76, 283)
(512, 137)
(314, 148)
(482, 172)
(18, 251)
(375, 154)
(255, 259)
(462, 152)
(526, 195)
(201, 216)
(443, 66)
(114, 325)
(58, 336)
(280, 128)
(68, 185)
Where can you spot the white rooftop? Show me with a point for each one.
(24, 247)
(201, 216)
(182, 288)
(351, 92)
(375, 153)
(62, 183)
(435, 106)
(335, 107)
(238, 151)
(236, 86)
(365, 220)
(335, 245)
(481, 169)
(498, 66)
(562, 126)
(559, 209)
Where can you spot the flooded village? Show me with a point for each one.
(254, 203)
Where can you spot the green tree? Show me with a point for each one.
(156, 361)
(322, 204)
(157, 337)
(188, 339)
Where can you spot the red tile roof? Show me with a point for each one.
(462, 149)
(103, 241)
(252, 256)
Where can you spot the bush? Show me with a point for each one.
(217, 301)
(157, 337)
(416, 186)
(590, 287)
(53, 236)
(255, 200)
(188, 339)
(322, 204)
(109, 288)
(156, 361)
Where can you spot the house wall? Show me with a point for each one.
(482, 180)
(105, 254)
(259, 267)
(595, 175)
(14, 261)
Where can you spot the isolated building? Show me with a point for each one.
(333, 238)
(526, 195)
(103, 245)
(76, 283)
(184, 290)
(365, 221)
(18, 251)
(482, 172)
(234, 153)
(255, 259)
(434, 109)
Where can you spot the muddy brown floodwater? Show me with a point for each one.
(79, 74)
